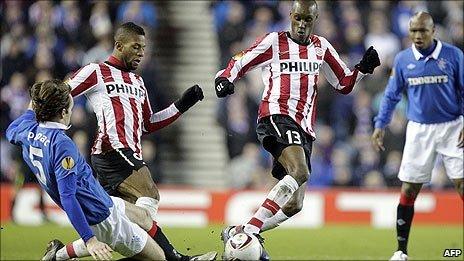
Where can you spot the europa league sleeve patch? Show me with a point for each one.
(67, 163)
(238, 56)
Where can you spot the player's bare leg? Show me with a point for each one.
(151, 251)
(65, 252)
(291, 208)
(139, 184)
(141, 217)
(294, 161)
(404, 216)
(138, 215)
(139, 188)
(459, 185)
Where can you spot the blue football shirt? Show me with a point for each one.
(61, 171)
(433, 84)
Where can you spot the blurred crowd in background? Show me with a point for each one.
(51, 39)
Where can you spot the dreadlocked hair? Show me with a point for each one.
(49, 98)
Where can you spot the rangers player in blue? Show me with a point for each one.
(102, 221)
(431, 73)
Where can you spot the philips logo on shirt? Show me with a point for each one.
(125, 88)
(428, 80)
(299, 67)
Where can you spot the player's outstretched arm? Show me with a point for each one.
(258, 55)
(155, 121)
(98, 250)
(64, 160)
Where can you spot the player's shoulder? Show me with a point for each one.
(315, 37)
(271, 36)
(90, 66)
(405, 53)
(19, 128)
(451, 49)
(26, 121)
(139, 78)
(403, 56)
(320, 41)
(63, 141)
(86, 69)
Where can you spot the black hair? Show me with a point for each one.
(127, 28)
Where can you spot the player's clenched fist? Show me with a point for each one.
(369, 61)
(223, 87)
(191, 96)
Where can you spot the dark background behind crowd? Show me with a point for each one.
(50, 39)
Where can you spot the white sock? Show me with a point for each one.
(274, 221)
(149, 204)
(72, 250)
(277, 197)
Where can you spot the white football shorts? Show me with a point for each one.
(423, 143)
(121, 234)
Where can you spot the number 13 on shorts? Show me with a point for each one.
(293, 137)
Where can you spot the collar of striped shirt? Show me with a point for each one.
(115, 62)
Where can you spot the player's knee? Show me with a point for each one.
(148, 189)
(301, 173)
(147, 185)
(143, 219)
(145, 215)
(292, 208)
(410, 191)
(459, 185)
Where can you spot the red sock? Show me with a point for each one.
(153, 229)
(462, 196)
(70, 250)
(407, 201)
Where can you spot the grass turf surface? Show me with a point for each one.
(328, 243)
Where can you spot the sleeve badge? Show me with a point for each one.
(67, 163)
(238, 56)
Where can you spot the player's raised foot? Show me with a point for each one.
(264, 255)
(399, 255)
(229, 232)
(52, 247)
(207, 256)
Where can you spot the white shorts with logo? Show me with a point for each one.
(121, 234)
(423, 143)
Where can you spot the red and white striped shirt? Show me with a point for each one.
(290, 72)
(120, 101)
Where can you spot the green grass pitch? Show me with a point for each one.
(334, 242)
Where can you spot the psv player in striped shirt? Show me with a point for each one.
(290, 63)
(120, 101)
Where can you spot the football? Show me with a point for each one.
(242, 247)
